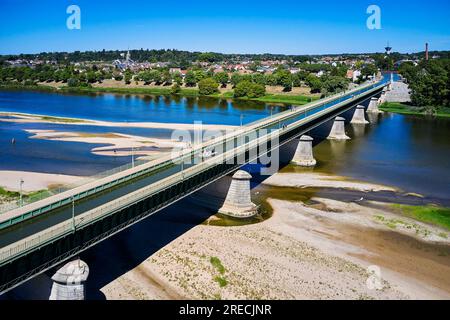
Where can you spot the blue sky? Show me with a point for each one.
(229, 26)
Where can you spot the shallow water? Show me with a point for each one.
(408, 152)
(75, 158)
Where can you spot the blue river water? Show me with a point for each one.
(76, 158)
(135, 108)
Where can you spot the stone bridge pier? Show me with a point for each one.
(358, 116)
(338, 130)
(373, 105)
(238, 203)
(69, 281)
(304, 154)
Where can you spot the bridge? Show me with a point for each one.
(43, 234)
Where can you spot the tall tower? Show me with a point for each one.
(426, 51)
(388, 49)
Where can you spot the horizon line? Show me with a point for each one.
(215, 52)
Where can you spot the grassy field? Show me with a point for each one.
(288, 99)
(401, 108)
(429, 214)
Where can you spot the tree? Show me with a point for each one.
(339, 71)
(177, 78)
(166, 78)
(296, 80)
(128, 76)
(156, 76)
(222, 78)
(73, 82)
(407, 70)
(429, 84)
(368, 70)
(249, 89)
(241, 89)
(176, 88)
(314, 83)
(256, 90)
(235, 78)
(259, 78)
(91, 77)
(332, 84)
(190, 80)
(144, 76)
(209, 57)
(208, 86)
(271, 79)
(284, 79)
(200, 75)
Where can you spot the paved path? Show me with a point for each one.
(400, 93)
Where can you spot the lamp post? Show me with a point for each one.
(132, 157)
(182, 168)
(242, 117)
(20, 192)
(73, 214)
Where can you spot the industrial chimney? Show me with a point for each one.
(426, 51)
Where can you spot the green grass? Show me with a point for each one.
(9, 194)
(402, 108)
(285, 98)
(29, 197)
(221, 281)
(57, 119)
(430, 214)
(216, 263)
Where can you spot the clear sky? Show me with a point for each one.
(228, 26)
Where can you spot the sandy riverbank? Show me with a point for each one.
(117, 144)
(34, 118)
(34, 181)
(318, 180)
(316, 251)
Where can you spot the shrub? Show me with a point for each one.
(176, 89)
(73, 82)
(256, 90)
(208, 86)
(249, 89)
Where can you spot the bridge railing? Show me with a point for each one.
(146, 167)
(51, 234)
